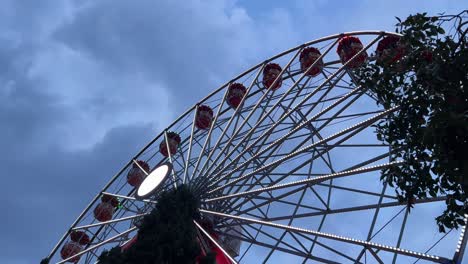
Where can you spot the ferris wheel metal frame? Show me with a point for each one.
(236, 168)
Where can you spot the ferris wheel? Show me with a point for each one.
(287, 165)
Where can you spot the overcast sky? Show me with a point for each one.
(85, 84)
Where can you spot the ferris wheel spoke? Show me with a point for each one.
(258, 163)
(462, 242)
(293, 171)
(356, 208)
(356, 81)
(109, 222)
(351, 130)
(98, 245)
(305, 140)
(253, 110)
(282, 139)
(348, 240)
(329, 248)
(251, 241)
(269, 173)
(206, 179)
(369, 161)
(309, 181)
(264, 136)
(355, 190)
(214, 241)
(236, 115)
(128, 197)
(328, 80)
(263, 117)
(296, 208)
(192, 132)
(208, 137)
(280, 242)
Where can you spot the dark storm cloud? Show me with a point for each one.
(47, 190)
(191, 47)
(44, 185)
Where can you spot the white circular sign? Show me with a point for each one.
(153, 180)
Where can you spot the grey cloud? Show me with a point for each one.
(182, 44)
(46, 191)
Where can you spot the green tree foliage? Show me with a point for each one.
(429, 132)
(167, 235)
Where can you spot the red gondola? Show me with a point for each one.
(348, 46)
(235, 94)
(80, 237)
(270, 72)
(135, 175)
(104, 211)
(390, 50)
(204, 117)
(173, 140)
(307, 57)
(71, 248)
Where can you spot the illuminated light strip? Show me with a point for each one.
(311, 146)
(309, 181)
(462, 235)
(401, 251)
